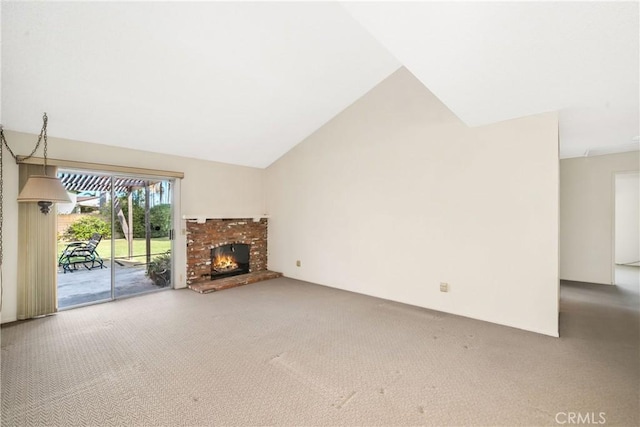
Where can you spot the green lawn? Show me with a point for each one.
(158, 246)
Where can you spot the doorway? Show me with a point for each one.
(115, 238)
(626, 226)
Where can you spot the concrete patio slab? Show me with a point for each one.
(84, 286)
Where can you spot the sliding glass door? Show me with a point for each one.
(115, 238)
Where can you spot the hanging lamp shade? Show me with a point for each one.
(45, 190)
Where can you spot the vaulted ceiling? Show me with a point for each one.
(243, 83)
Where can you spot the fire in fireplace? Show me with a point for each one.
(229, 260)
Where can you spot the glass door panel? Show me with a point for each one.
(84, 239)
(142, 243)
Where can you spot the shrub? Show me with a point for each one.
(83, 228)
(159, 269)
(160, 219)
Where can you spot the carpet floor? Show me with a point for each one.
(285, 352)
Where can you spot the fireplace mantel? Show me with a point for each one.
(202, 218)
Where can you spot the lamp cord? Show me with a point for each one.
(3, 143)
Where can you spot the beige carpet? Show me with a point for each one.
(292, 353)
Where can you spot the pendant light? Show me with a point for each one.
(43, 189)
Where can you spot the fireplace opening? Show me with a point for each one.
(229, 260)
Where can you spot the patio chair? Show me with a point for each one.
(81, 253)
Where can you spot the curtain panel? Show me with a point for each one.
(37, 253)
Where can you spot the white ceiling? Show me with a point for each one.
(496, 61)
(239, 83)
(245, 82)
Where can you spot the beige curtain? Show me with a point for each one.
(37, 263)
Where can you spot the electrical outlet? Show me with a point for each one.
(444, 287)
(298, 263)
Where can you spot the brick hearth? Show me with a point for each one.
(201, 238)
(231, 282)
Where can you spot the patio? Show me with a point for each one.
(85, 286)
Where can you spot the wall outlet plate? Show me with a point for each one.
(444, 287)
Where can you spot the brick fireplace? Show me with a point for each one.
(206, 238)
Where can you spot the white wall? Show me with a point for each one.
(207, 188)
(395, 195)
(627, 218)
(586, 215)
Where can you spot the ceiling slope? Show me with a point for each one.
(240, 83)
(496, 61)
